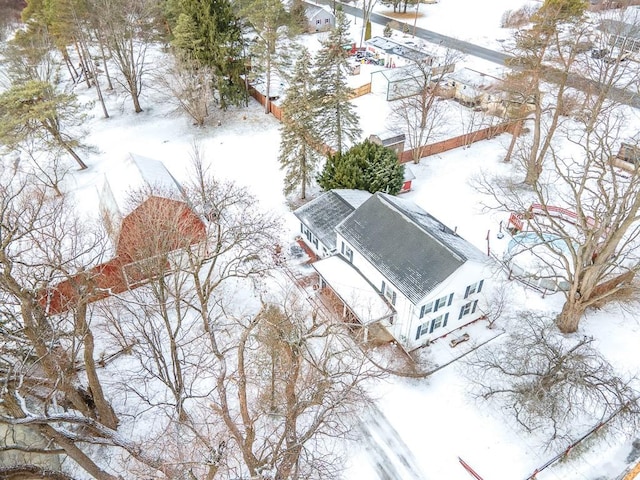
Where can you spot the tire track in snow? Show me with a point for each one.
(387, 452)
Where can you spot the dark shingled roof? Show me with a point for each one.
(323, 214)
(412, 249)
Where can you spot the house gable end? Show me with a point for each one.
(322, 214)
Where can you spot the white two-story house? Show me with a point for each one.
(398, 266)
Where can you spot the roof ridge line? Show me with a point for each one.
(402, 212)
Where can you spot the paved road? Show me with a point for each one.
(617, 94)
(430, 36)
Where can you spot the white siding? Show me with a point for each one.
(403, 305)
(313, 242)
(457, 283)
(407, 321)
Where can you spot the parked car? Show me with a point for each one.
(599, 53)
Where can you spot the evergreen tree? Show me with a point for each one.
(208, 32)
(366, 166)
(337, 121)
(266, 17)
(34, 111)
(298, 156)
(298, 13)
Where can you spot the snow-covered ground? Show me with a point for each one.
(423, 425)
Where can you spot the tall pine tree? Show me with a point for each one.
(337, 121)
(266, 17)
(208, 32)
(298, 156)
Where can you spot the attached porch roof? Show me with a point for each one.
(354, 290)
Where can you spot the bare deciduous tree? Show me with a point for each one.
(47, 360)
(189, 87)
(559, 386)
(593, 254)
(422, 114)
(128, 27)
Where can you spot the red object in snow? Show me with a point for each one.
(466, 466)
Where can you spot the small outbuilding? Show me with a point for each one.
(393, 140)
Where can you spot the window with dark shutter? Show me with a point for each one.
(475, 304)
(450, 300)
(446, 317)
(466, 292)
(480, 286)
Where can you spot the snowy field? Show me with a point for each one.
(422, 426)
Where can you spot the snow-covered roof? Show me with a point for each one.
(313, 10)
(396, 48)
(474, 78)
(354, 290)
(136, 173)
(388, 137)
(322, 214)
(412, 249)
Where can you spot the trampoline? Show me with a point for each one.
(538, 260)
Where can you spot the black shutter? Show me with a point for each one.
(480, 286)
(418, 333)
(422, 310)
(446, 317)
(342, 248)
(393, 300)
(433, 324)
(461, 312)
(450, 300)
(301, 227)
(475, 304)
(383, 287)
(466, 292)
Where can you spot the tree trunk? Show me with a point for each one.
(94, 74)
(72, 71)
(14, 407)
(104, 61)
(71, 151)
(83, 65)
(571, 313)
(106, 415)
(267, 101)
(514, 138)
(303, 193)
(135, 97)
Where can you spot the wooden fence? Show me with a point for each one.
(274, 109)
(361, 90)
(512, 127)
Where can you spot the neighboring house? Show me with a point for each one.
(320, 217)
(387, 138)
(399, 267)
(146, 215)
(396, 54)
(477, 89)
(623, 34)
(319, 18)
(627, 158)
